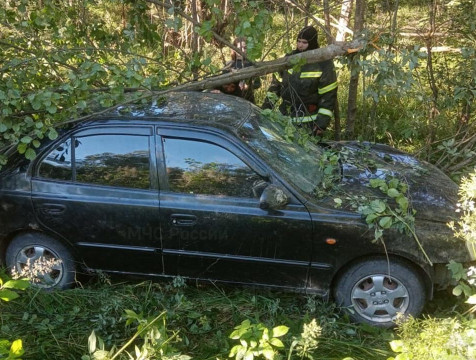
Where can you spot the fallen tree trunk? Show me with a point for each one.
(267, 67)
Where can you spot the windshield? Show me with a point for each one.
(296, 164)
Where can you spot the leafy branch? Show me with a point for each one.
(381, 216)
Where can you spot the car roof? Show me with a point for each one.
(191, 108)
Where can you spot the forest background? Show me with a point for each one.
(410, 82)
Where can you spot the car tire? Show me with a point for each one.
(377, 291)
(55, 270)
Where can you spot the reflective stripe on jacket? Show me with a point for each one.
(313, 87)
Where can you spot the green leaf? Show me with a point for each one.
(403, 203)
(81, 104)
(36, 104)
(102, 355)
(396, 345)
(16, 349)
(377, 183)
(378, 205)
(52, 134)
(457, 270)
(249, 355)
(234, 350)
(268, 354)
(22, 148)
(30, 154)
(471, 300)
(131, 314)
(279, 331)
(8, 295)
(17, 284)
(52, 109)
(26, 139)
(370, 218)
(276, 342)
(234, 335)
(394, 183)
(457, 291)
(393, 193)
(92, 342)
(386, 222)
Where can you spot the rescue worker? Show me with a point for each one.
(237, 62)
(230, 89)
(310, 94)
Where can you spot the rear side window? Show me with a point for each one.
(107, 159)
(57, 164)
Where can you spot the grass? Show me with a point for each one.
(56, 325)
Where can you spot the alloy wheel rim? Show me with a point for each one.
(380, 298)
(41, 265)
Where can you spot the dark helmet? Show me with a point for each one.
(309, 33)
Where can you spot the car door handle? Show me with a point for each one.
(183, 219)
(52, 209)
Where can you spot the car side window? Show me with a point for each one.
(103, 159)
(197, 167)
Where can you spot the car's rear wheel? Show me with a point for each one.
(377, 291)
(45, 261)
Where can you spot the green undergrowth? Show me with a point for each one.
(198, 321)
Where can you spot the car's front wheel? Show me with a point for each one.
(377, 291)
(45, 261)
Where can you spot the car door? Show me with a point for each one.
(211, 224)
(97, 188)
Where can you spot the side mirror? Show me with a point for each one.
(273, 198)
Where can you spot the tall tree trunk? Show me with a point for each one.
(308, 11)
(330, 40)
(354, 79)
(345, 10)
(466, 110)
(431, 74)
(195, 40)
(394, 23)
(327, 18)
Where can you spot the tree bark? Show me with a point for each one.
(195, 38)
(327, 22)
(431, 74)
(354, 79)
(394, 22)
(344, 19)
